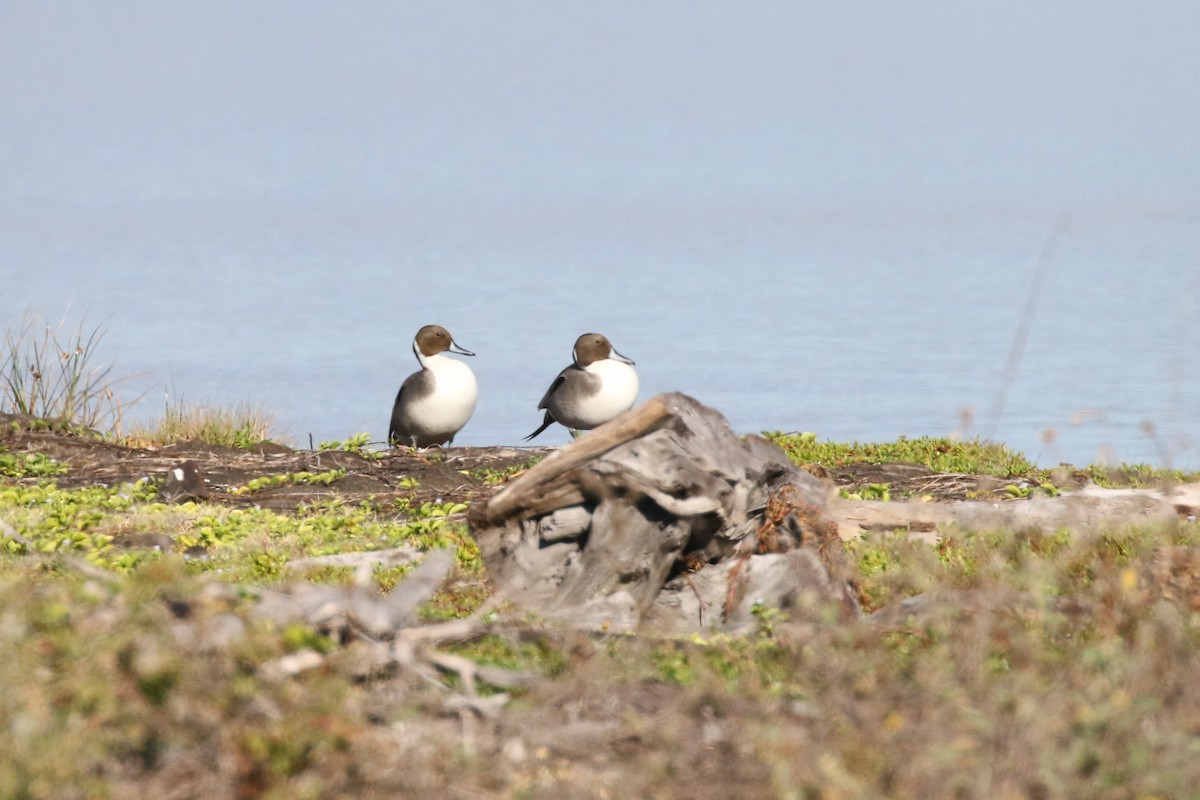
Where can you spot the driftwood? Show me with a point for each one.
(377, 615)
(663, 520)
(384, 628)
(1091, 508)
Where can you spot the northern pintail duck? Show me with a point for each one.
(434, 403)
(601, 384)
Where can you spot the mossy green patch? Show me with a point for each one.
(540, 655)
(121, 528)
(967, 457)
(494, 475)
(29, 465)
(970, 456)
(289, 478)
(356, 444)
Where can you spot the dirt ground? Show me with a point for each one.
(456, 474)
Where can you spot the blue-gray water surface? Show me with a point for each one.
(820, 217)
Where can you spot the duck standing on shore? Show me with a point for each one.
(599, 385)
(435, 402)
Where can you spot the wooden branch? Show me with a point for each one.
(519, 496)
(452, 630)
(293, 664)
(363, 562)
(379, 616)
(465, 668)
(486, 707)
(693, 506)
(553, 498)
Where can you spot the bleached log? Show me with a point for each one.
(530, 491)
(1092, 508)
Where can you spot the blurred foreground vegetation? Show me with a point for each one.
(1005, 664)
(1045, 666)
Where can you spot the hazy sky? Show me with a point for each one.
(880, 103)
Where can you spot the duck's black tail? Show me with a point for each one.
(545, 424)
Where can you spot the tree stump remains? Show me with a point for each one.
(662, 520)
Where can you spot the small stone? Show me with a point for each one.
(183, 483)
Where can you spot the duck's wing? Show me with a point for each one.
(555, 386)
(414, 385)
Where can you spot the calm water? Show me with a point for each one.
(810, 217)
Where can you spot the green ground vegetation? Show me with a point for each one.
(493, 476)
(123, 527)
(974, 457)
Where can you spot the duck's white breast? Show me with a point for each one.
(618, 391)
(453, 399)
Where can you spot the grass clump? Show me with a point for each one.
(1054, 665)
(1136, 475)
(242, 426)
(105, 692)
(51, 372)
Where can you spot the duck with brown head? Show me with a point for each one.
(435, 402)
(599, 385)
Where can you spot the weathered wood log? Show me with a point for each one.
(529, 494)
(660, 504)
(1091, 508)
